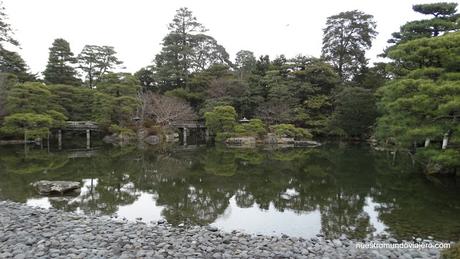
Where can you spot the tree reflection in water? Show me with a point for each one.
(196, 187)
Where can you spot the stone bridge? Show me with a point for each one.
(185, 127)
(87, 126)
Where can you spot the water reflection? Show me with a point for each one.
(301, 192)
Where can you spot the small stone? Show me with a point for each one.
(212, 228)
(337, 243)
(392, 240)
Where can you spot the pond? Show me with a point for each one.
(333, 190)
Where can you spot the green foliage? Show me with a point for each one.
(186, 49)
(32, 98)
(290, 131)
(346, 38)
(6, 32)
(433, 55)
(11, 62)
(417, 109)
(76, 101)
(147, 79)
(355, 111)
(102, 109)
(447, 158)
(444, 20)
(245, 62)
(194, 98)
(7, 81)
(221, 119)
(254, 128)
(32, 110)
(30, 124)
(452, 253)
(121, 130)
(424, 105)
(59, 69)
(95, 61)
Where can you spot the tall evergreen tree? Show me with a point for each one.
(421, 109)
(346, 38)
(6, 33)
(444, 19)
(11, 62)
(245, 62)
(59, 69)
(186, 49)
(95, 61)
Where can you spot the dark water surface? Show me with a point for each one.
(332, 190)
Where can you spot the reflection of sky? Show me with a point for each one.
(250, 220)
(39, 202)
(269, 222)
(371, 209)
(144, 207)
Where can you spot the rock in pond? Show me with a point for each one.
(241, 141)
(118, 139)
(56, 187)
(152, 140)
(306, 143)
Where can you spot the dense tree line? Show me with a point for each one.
(409, 103)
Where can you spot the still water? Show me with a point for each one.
(331, 190)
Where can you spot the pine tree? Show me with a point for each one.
(346, 38)
(59, 69)
(444, 19)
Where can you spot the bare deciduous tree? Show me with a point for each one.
(165, 110)
(223, 88)
(274, 112)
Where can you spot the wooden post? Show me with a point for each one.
(185, 136)
(88, 139)
(445, 141)
(48, 141)
(25, 142)
(427, 142)
(206, 135)
(60, 139)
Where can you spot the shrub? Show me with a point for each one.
(221, 119)
(452, 253)
(290, 131)
(254, 128)
(121, 130)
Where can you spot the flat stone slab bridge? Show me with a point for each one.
(185, 127)
(87, 126)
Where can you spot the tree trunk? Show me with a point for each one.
(445, 141)
(427, 142)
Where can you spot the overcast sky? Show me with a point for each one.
(136, 27)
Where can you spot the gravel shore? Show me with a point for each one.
(27, 232)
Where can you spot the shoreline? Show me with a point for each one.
(32, 232)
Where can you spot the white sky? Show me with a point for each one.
(136, 27)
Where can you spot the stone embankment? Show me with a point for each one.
(27, 232)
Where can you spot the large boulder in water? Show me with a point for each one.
(56, 187)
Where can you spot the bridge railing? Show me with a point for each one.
(188, 123)
(81, 125)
